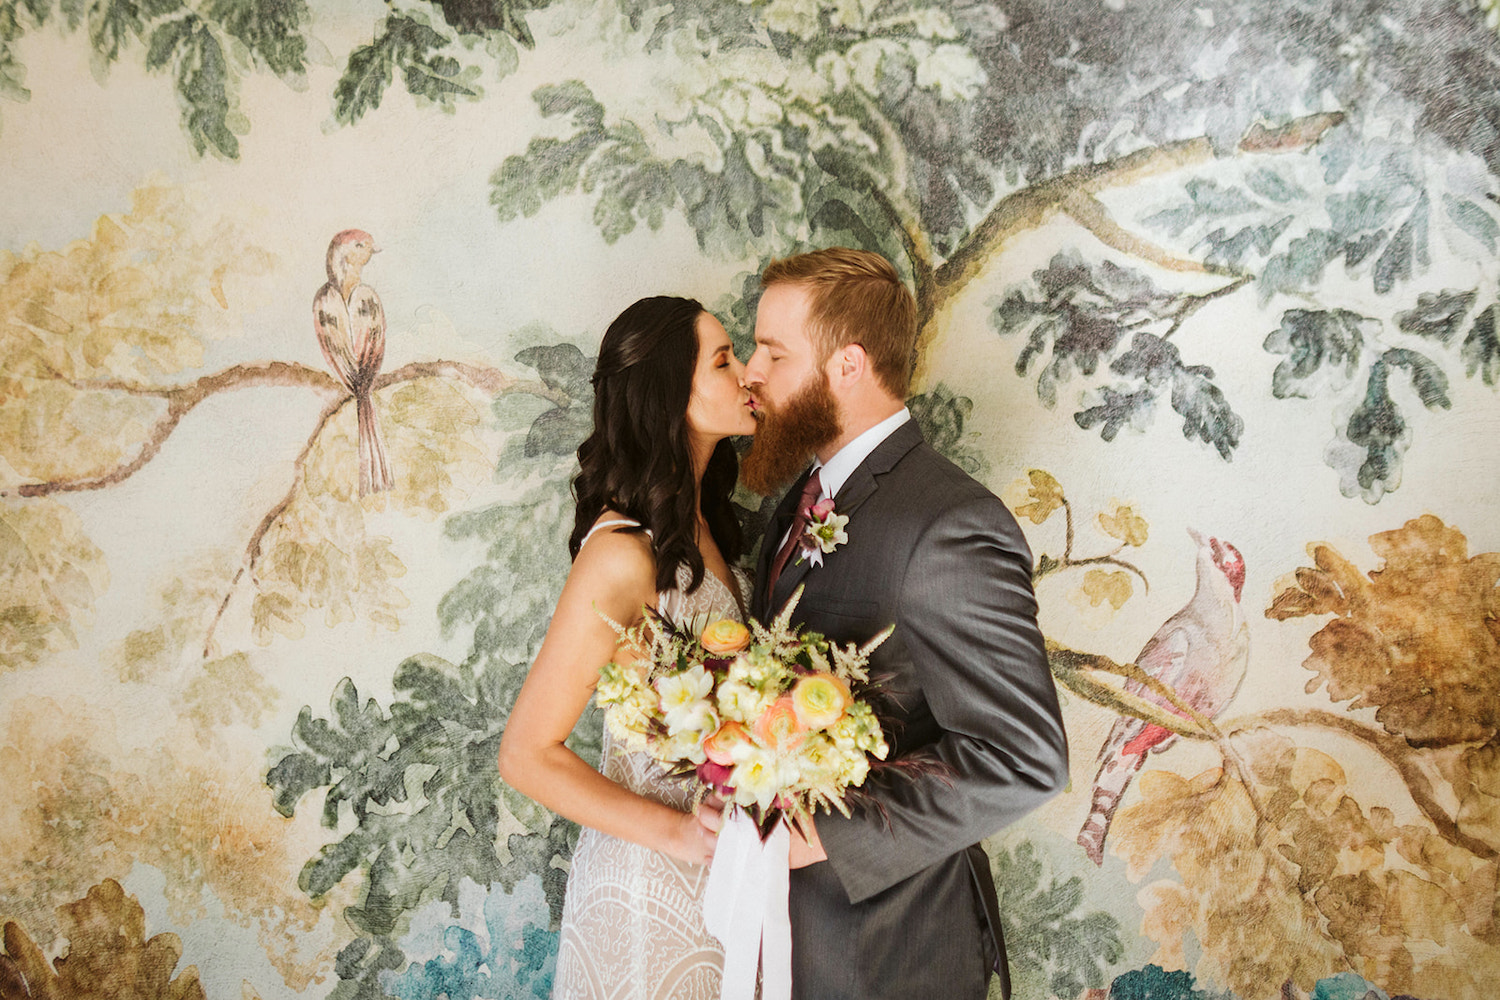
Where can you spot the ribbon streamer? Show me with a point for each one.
(745, 907)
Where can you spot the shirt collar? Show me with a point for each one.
(841, 466)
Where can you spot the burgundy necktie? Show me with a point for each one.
(810, 492)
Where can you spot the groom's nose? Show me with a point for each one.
(754, 369)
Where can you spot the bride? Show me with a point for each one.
(654, 526)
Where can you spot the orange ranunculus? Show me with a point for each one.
(724, 637)
(778, 728)
(720, 746)
(820, 700)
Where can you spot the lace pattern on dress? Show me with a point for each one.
(632, 924)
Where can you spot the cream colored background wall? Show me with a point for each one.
(130, 755)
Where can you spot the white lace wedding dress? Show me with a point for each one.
(632, 923)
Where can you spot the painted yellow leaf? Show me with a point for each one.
(84, 802)
(1112, 586)
(50, 572)
(135, 303)
(1416, 638)
(184, 608)
(227, 691)
(1389, 901)
(1044, 494)
(1124, 523)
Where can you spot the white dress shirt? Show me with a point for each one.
(836, 472)
(841, 466)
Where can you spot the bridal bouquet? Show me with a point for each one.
(764, 715)
(767, 716)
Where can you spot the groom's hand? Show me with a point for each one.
(807, 849)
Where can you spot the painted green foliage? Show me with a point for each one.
(907, 126)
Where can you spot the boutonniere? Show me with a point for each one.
(825, 532)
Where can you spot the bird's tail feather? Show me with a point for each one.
(374, 468)
(1115, 775)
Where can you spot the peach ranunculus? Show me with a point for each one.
(720, 746)
(820, 699)
(778, 727)
(725, 637)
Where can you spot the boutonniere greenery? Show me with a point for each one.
(825, 532)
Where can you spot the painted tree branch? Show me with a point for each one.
(1068, 562)
(1075, 191)
(182, 399)
(482, 377)
(1073, 669)
(1192, 303)
(904, 218)
(1393, 749)
(252, 549)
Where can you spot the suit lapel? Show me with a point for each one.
(781, 519)
(855, 491)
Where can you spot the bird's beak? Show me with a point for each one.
(375, 249)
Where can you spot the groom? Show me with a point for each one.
(897, 901)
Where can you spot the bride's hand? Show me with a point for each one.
(698, 834)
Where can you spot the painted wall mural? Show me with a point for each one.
(1208, 291)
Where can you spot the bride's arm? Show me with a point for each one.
(614, 574)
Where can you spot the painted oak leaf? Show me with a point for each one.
(108, 955)
(1101, 586)
(1382, 894)
(1125, 524)
(1241, 900)
(1043, 496)
(49, 574)
(1417, 638)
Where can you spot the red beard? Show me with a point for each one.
(789, 435)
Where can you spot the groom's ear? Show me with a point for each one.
(848, 365)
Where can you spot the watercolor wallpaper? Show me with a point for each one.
(298, 304)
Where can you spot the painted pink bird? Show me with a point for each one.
(351, 330)
(1200, 653)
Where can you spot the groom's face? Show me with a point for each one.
(789, 392)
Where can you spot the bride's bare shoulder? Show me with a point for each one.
(615, 556)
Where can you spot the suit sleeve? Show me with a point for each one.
(968, 623)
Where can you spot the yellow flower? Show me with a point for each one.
(724, 637)
(739, 702)
(819, 700)
(757, 777)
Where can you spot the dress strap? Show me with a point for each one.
(611, 524)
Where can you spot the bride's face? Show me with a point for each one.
(719, 406)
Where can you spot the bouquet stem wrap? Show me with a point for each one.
(745, 907)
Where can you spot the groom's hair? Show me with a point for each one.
(856, 297)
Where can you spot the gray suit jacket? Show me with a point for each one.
(905, 906)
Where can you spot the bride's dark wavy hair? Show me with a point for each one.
(637, 460)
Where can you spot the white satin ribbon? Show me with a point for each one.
(745, 907)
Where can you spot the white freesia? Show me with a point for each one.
(681, 694)
(758, 776)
